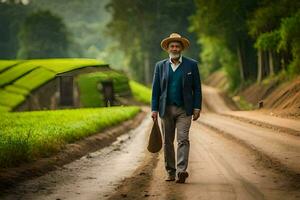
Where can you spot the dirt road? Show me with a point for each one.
(232, 156)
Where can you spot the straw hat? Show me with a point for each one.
(174, 37)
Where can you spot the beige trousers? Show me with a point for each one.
(176, 118)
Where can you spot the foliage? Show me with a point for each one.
(290, 34)
(230, 66)
(268, 40)
(223, 20)
(26, 136)
(140, 25)
(228, 31)
(140, 92)
(210, 55)
(286, 38)
(11, 18)
(267, 16)
(43, 35)
(243, 104)
(275, 26)
(221, 28)
(86, 22)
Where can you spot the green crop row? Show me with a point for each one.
(16, 89)
(64, 65)
(15, 72)
(55, 65)
(4, 109)
(26, 136)
(5, 64)
(9, 99)
(35, 78)
(20, 77)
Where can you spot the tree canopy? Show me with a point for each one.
(43, 35)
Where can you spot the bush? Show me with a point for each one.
(140, 92)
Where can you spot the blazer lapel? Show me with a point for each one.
(166, 70)
(184, 70)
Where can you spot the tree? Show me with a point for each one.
(86, 21)
(11, 17)
(139, 26)
(266, 26)
(226, 21)
(43, 35)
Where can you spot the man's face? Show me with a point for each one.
(174, 49)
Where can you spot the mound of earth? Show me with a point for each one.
(280, 99)
(285, 99)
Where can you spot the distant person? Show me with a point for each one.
(177, 97)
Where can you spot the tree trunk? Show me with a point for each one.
(147, 73)
(276, 61)
(259, 65)
(271, 63)
(241, 61)
(265, 64)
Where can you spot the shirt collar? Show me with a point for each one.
(180, 59)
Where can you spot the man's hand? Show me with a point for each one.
(154, 115)
(196, 114)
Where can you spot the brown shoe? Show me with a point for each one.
(181, 177)
(170, 178)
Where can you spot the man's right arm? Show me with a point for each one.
(155, 92)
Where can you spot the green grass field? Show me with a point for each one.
(26, 136)
(140, 92)
(90, 96)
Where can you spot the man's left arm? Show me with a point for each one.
(197, 90)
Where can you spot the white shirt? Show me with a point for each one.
(175, 66)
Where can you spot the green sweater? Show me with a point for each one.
(174, 95)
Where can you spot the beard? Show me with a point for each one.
(174, 55)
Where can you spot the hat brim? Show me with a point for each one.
(164, 43)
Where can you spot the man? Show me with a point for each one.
(177, 98)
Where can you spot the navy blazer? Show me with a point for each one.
(191, 86)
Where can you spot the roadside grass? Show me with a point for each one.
(27, 136)
(242, 103)
(140, 92)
